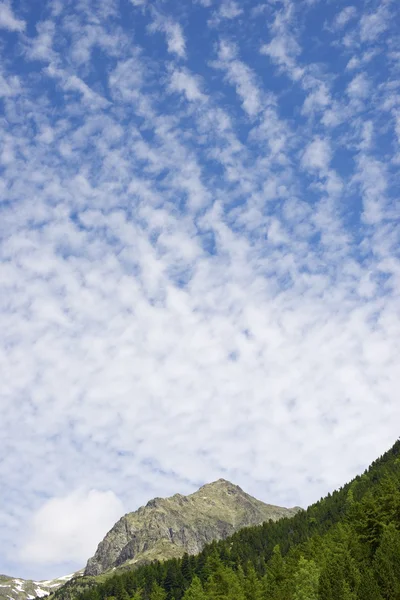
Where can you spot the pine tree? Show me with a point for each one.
(368, 588)
(174, 583)
(367, 521)
(224, 584)
(119, 590)
(186, 568)
(387, 564)
(252, 586)
(158, 593)
(306, 580)
(195, 591)
(331, 582)
(275, 576)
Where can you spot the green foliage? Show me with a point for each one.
(195, 591)
(224, 584)
(252, 585)
(275, 577)
(368, 588)
(306, 580)
(344, 547)
(387, 563)
(158, 593)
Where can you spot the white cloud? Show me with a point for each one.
(9, 86)
(360, 60)
(374, 24)
(353, 63)
(55, 533)
(8, 20)
(284, 50)
(373, 181)
(41, 47)
(317, 155)
(317, 99)
(359, 86)
(230, 9)
(176, 43)
(241, 76)
(182, 81)
(72, 83)
(345, 16)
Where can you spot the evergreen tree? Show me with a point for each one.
(387, 564)
(186, 568)
(119, 590)
(195, 591)
(252, 586)
(367, 521)
(368, 588)
(275, 576)
(224, 584)
(174, 583)
(158, 593)
(331, 582)
(306, 580)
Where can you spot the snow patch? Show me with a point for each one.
(65, 577)
(18, 585)
(54, 582)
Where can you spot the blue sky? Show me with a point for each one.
(200, 257)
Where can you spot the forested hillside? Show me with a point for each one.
(344, 547)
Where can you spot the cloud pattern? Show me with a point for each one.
(200, 257)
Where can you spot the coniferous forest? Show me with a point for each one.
(344, 547)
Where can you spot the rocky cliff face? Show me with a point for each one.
(168, 527)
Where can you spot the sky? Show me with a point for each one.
(199, 241)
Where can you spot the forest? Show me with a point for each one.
(346, 546)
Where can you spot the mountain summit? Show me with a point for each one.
(169, 527)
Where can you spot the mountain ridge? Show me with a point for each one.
(168, 527)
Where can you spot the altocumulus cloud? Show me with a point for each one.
(200, 258)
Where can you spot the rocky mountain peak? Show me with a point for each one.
(168, 527)
(219, 484)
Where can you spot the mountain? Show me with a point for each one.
(12, 588)
(164, 528)
(169, 527)
(344, 547)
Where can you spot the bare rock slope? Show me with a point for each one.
(169, 527)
